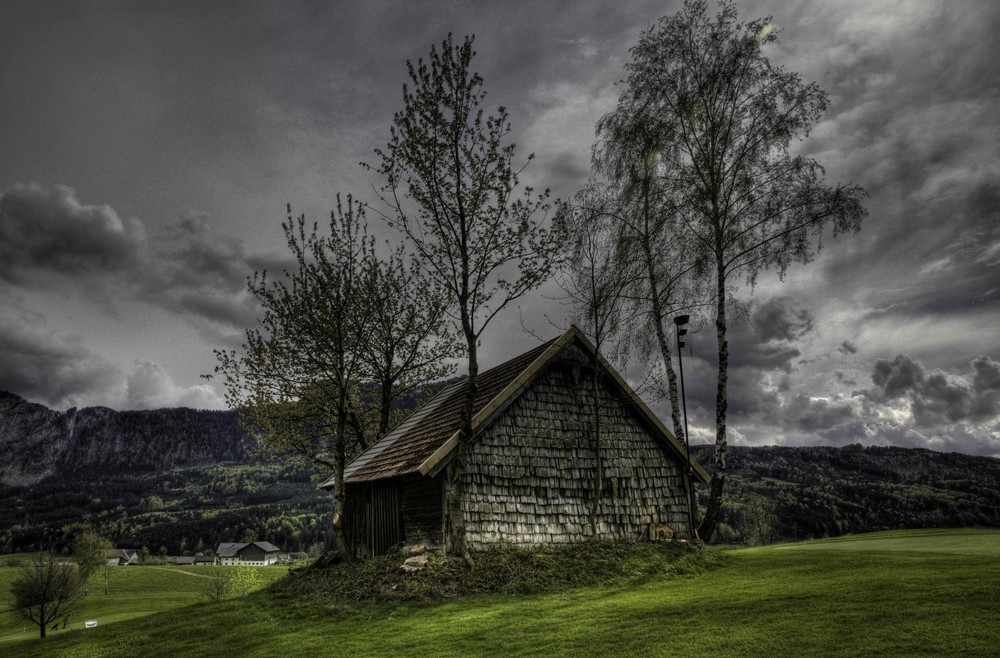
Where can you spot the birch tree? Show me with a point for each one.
(454, 189)
(746, 200)
(653, 255)
(90, 552)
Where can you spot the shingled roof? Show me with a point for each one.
(424, 440)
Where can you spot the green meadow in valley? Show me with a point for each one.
(902, 593)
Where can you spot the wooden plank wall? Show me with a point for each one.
(423, 511)
(531, 477)
(373, 521)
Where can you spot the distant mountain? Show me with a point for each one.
(37, 442)
(175, 481)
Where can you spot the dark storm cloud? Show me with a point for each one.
(763, 350)
(897, 377)
(955, 263)
(907, 404)
(987, 375)
(938, 398)
(769, 340)
(197, 256)
(45, 228)
(913, 120)
(40, 365)
(48, 237)
(202, 274)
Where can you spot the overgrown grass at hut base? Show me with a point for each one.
(504, 569)
(908, 593)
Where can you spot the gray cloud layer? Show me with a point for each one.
(50, 240)
(233, 109)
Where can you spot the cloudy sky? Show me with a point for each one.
(147, 151)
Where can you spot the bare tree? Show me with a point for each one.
(728, 119)
(46, 590)
(453, 189)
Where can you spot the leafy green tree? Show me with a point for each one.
(243, 580)
(331, 330)
(90, 551)
(46, 590)
(727, 118)
(454, 190)
(232, 582)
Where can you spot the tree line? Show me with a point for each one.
(695, 190)
(176, 512)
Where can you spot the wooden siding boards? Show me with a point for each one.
(373, 521)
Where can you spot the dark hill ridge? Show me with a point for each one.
(37, 442)
(824, 491)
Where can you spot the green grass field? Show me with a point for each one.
(133, 592)
(907, 593)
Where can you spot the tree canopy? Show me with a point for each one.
(340, 338)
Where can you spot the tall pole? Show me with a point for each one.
(679, 323)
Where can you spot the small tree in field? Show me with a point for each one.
(232, 582)
(726, 120)
(46, 590)
(454, 190)
(90, 551)
(758, 516)
(216, 587)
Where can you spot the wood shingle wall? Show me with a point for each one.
(532, 474)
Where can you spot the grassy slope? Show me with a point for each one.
(133, 592)
(898, 593)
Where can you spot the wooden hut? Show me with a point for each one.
(537, 472)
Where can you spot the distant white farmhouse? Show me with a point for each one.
(256, 554)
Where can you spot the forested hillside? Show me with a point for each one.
(824, 492)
